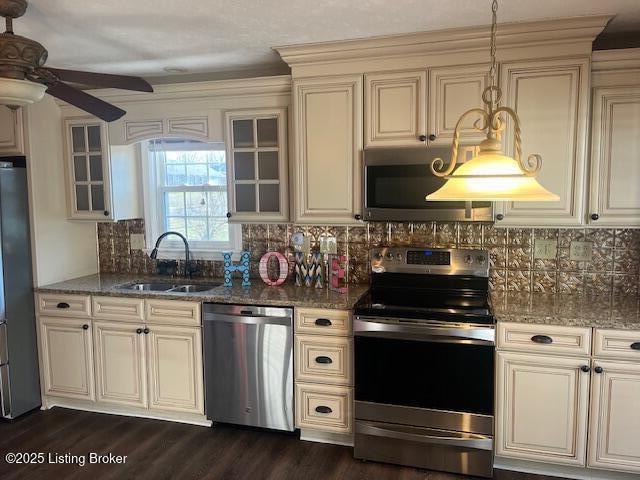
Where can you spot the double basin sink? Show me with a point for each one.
(168, 287)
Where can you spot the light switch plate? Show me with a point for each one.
(545, 249)
(136, 241)
(328, 244)
(581, 251)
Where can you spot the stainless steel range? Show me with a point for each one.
(424, 361)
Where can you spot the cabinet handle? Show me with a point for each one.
(323, 322)
(139, 331)
(585, 368)
(146, 331)
(323, 409)
(595, 216)
(357, 216)
(323, 359)
(432, 137)
(598, 369)
(85, 327)
(228, 214)
(542, 339)
(106, 213)
(63, 305)
(499, 216)
(635, 346)
(422, 138)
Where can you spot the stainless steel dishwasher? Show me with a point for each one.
(248, 364)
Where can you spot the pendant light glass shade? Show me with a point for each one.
(20, 92)
(491, 176)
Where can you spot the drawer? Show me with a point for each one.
(324, 407)
(53, 304)
(616, 343)
(527, 337)
(172, 312)
(324, 359)
(322, 321)
(118, 308)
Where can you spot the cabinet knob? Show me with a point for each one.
(85, 327)
(499, 216)
(323, 359)
(432, 137)
(106, 213)
(595, 216)
(598, 370)
(358, 217)
(228, 214)
(323, 322)
(139, 331)
(62, 305)
(146, 331)
(635, 346)
(422, 138)
(542, 339)
(585, 368)
(323, 409)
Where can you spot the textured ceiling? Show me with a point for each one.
(224, 38)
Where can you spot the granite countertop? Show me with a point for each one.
(619, 312)
(286, 295)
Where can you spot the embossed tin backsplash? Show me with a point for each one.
(614, 268)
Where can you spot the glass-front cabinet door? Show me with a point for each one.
(87, 157)
(256, 146)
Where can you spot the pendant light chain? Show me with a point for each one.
(494, 26)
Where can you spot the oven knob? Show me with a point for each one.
(399, 257)
(468, 259)
(377, 256)
(480, 258)
(389, 256)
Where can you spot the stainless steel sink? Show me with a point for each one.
(168, 287)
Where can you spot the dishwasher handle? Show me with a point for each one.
(247, 319)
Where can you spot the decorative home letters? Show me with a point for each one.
(282, 263)
(337, 273)
(242, 267)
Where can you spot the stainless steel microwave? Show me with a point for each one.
(396, 181)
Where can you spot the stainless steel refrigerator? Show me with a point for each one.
(19, 380)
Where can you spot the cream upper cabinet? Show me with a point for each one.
(453, 91)
(256, 144)
(175, 369)
(542, 408)
(328, 143)
(67, 357)
(615, 416)
(394, 108)
(615, 156)
(551, 98)
(102, 180)
(120, 363)
(12, 141)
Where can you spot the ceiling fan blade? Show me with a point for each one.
(105, 80)
(86, 102)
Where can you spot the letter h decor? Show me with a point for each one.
(242, 267)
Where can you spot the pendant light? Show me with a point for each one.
(490, 174)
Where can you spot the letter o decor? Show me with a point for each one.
(282, 263)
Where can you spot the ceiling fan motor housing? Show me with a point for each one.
(20, 56)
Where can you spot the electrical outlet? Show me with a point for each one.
(545, 249)
(136, 240)
(581, 251)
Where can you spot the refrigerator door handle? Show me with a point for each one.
(5, 397)
(4, 353)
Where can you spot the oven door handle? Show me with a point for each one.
(427, 333)
(470, 440)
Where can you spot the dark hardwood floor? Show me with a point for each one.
(163, 450)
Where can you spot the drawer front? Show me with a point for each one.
(76, 306)
(322, 321)
(527, 337)
(324, 359)
(118, 308)
(324, 407)
(616, 344)
(172, 312)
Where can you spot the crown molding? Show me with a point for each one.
(565, 30)
(618, 59)
(258, 86)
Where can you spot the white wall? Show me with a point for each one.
(61, 249)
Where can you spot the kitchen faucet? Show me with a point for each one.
(154, 252)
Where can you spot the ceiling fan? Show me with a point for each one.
(24, 79)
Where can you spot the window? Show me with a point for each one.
(187, 194)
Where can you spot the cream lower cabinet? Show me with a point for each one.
(542, 407)
(67, 357)
(120, 363)
(327, 120)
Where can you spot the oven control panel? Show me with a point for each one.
(439, 261)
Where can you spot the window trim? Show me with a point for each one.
(153, 197)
